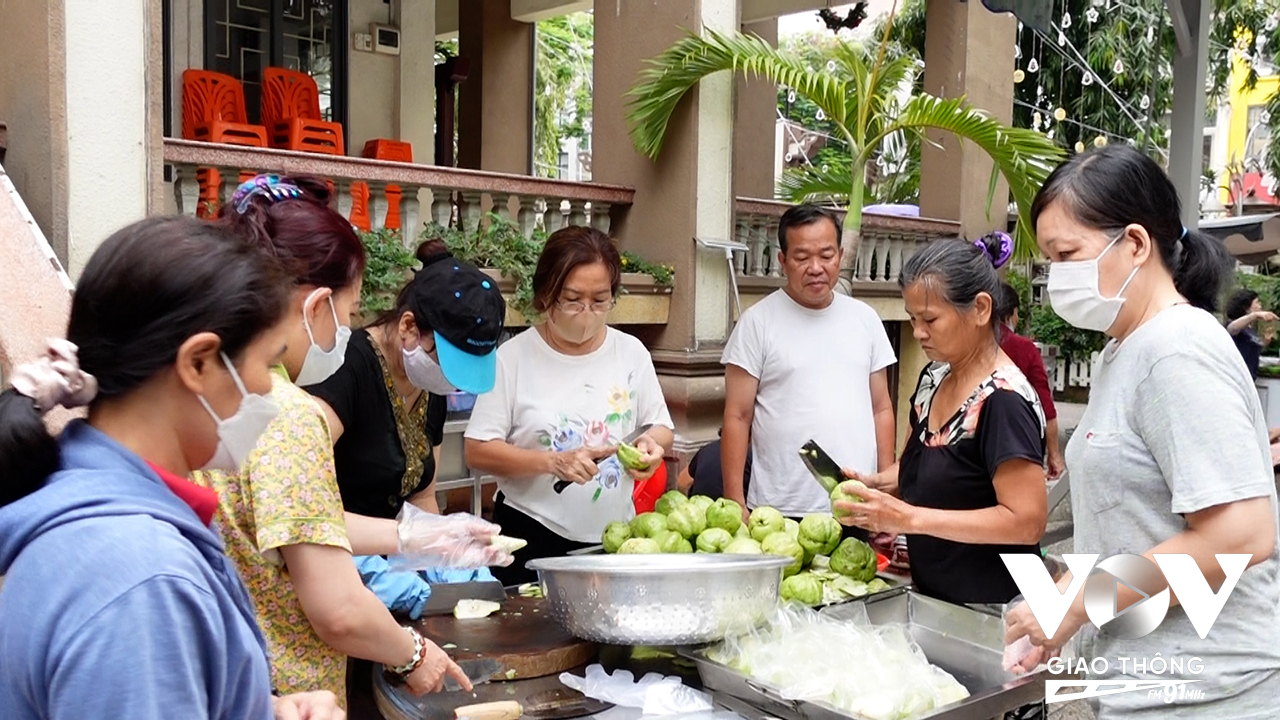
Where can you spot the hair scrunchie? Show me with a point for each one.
(55, 378)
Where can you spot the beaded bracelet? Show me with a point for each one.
(419, 654)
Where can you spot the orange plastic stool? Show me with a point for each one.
(381, 149)
(213, 110)
(291, 114)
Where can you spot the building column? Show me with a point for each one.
(755, 126)
(416, 79)
(968, 52)
(495, 102)
(1186, 137)
(687, 193)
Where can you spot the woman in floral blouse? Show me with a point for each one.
(970, 484)
(566, 392)
(281, 516)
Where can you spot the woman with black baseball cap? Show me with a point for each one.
(387, 401)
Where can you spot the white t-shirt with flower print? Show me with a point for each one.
(545, 400)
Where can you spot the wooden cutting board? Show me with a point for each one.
(522, 636)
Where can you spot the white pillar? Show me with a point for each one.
(107, 128)
(416, 109)
(1186, 138)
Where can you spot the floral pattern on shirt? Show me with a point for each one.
(964, 423)
(286, 494)
(572, 433)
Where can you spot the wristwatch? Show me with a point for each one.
(419, 654)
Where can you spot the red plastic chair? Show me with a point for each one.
(213, 110)
(291, 114)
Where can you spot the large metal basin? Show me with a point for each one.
(659, 599)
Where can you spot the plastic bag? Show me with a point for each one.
(654, 694)
(1017, 651)
(876, 671)
(460, 540)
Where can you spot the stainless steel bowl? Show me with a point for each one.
(664, 599)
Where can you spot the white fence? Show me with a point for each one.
(1071, 373)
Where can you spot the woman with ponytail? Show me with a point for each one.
(969, 485)
(1171, 456)
(118, 601)
(282, 515)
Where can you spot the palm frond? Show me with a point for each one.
(1024, 157)
(813, 184)
(872, 89)
(678, 68)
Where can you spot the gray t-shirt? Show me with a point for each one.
(1174, 426)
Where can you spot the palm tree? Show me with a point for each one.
(858, 91)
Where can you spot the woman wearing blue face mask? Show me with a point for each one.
(1171, 456)
(118, 601)
(281, 513)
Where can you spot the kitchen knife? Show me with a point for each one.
(478, 672)
(504, 710)
(445, 596)
(635, 435)
(825, 470)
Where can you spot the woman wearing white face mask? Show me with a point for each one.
(118, 601)
(567, 392)
(387, 404)
(281, 513)
(1171, 456)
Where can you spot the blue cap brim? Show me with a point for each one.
(467, 372)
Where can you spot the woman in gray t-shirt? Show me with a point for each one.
(1171, 456)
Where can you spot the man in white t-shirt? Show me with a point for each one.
(805, 363)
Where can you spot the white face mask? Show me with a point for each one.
(320, 364)
(239, 433)
(425, 373)
(1074, 294)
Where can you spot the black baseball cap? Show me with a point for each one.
(466, 312)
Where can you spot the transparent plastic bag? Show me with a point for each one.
(876, 671)
(460, 540)
(653, 694)
(1017, 652)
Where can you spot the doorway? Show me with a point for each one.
(243, 37)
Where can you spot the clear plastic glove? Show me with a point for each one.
(654, 694)
(460, 540)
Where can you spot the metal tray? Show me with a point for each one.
(964, 642)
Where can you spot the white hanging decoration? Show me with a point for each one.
(1118, 68)
(1145, 102)
(1100, 141)
(1036, 121)
(820, 115)
(1060, 114)
(1017, 52)
(831, 66)
(1087, 79)
(1092, 15)
(1018, 76)
(1033, 66)
(826, 168)
(1066, 20)
(1079, 146)
(1049, 134)
(791, 96)
(1062, 39)
(1151, 35)
(1039, 92)
(1271, 23)
(1266, 116)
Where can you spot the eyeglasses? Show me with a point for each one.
(577, 307)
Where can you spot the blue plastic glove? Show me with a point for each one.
(457, 575)
(399, 591)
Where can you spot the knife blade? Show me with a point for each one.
(825, 470)
(478, 672)
(632, 437)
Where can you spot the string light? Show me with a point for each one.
(1060, 114)
(1019, 76)
(1100, 141)
(1079, 146)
